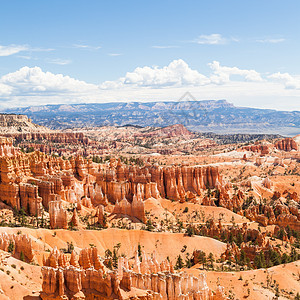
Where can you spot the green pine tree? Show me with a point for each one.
(11, 246)
(211, 260)
(179, 263)
(22, 257)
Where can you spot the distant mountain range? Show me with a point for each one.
(217, 116)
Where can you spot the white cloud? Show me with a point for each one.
(114, 54)
(59, 61)
(35, 81)
(164, 47)
(32, 86)
(271, 41)
(289, 81)
(25, 57)
(87, 47)
(177, 73)
(12, 49)
(5, 90)
(41, 49)
(211, 39)
(222, 74)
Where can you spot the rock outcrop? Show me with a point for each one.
(14, 124)
(72, 138)
(175, 183)
(257, 148)
(101, 216)
(153, 280)
(6, 147)
(286, 144)
(135, 209)
(18, 244)
(75, 219)
(58, 215)
(250, 240)
(32, 181)
(281, 215)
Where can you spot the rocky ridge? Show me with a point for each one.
(217, 116)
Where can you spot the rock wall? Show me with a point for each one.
(286, 144)
(174, 183)
(73, 138)
(148, 278)
(32, 180)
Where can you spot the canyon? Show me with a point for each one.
(146, 213)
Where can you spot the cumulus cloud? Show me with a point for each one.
(35, 81)
(33, 86)
(5, 90)
(222, 74)
(177, 73)
(12, 49)
(289, 81)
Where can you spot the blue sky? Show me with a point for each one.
(96, 51)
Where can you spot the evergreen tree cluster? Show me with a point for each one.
(272, 258)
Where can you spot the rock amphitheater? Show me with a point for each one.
(81, 224)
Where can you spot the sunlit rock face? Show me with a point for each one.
(123, 181)
(21, 244)
(58, 215)
(87, 278)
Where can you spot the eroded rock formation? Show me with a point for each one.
(153, 280)
(286, 144)
(173, 183)
(58, 215)
(258, 148)
(17, 244)
(281, 215)
(135, 209)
